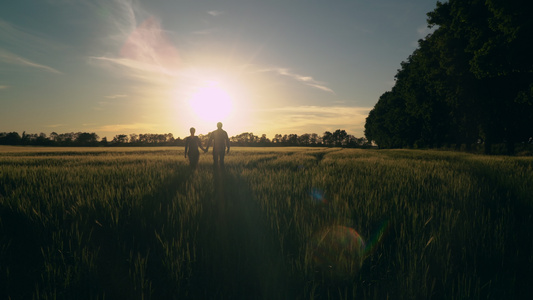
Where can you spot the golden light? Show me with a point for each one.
(211, 103)
(205, 96)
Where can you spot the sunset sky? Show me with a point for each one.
(120, 67)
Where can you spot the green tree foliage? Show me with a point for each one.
(388, 123)
(339, 138)
(11, 138)
(87, 139)
(470, 80)
(120, 139)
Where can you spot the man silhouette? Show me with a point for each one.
(220, 141)
(192, 143)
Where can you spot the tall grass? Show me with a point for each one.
(293, 223)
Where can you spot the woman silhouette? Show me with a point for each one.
(192, 143)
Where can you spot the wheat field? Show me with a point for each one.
(277, 223)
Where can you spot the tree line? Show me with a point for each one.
(470, 82)
(338, 138)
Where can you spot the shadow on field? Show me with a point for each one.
(142, 247)
(20, 257)
(506, 200)
(238, 259)
(129, 261)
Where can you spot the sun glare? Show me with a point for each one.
(211, 103)
(206, 97)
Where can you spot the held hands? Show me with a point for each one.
(205, 150)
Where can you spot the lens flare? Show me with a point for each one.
(377, 238)
(318, 196)
(337, 251)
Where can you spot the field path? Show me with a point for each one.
(238, 259)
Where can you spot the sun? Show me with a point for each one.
(211, 103)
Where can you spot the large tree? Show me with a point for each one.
(472, 79)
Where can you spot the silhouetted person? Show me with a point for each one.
(192, 143)
(220, 141)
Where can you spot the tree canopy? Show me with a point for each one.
(470, 81)
(339, 138)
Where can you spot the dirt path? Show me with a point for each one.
(238, 259)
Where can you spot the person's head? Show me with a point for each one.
(192, 130)
(219, 125)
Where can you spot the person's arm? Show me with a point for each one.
(200, 145)
(227, 141)
(186, 146)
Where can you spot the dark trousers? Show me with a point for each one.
(218, 156)
(193, 159)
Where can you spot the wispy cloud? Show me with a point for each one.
(145, 72)
(19, 38)
(205, 31)
(13, 59)
(317, 119)
(147, 54)
(215, 13)
(3, 87)
(55, 125)
(116, 96)
(307, 80)
(131, 127)
(24, 39)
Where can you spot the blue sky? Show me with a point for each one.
(118, 66)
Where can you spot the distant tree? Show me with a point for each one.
(246, 139)
(339, 137)
(24, 139)
(252, 139)
(86, 139)
(66, 139)
(350, 141)
(203, 138)
(43, 140)
(263, 140)
(304, 139)
(314, 139)
(11, 138)
(29, 138)
(292, 139)
(277, 138)
(240, 139)
(285, 140)
(327, 139)
(170, 138)
(363, 142)
(162, 139)
(120, 139)
(154, 139)
(134, 138)
(54, 137)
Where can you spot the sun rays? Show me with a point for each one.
(211, 102)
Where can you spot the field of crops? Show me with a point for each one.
(277, 223)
